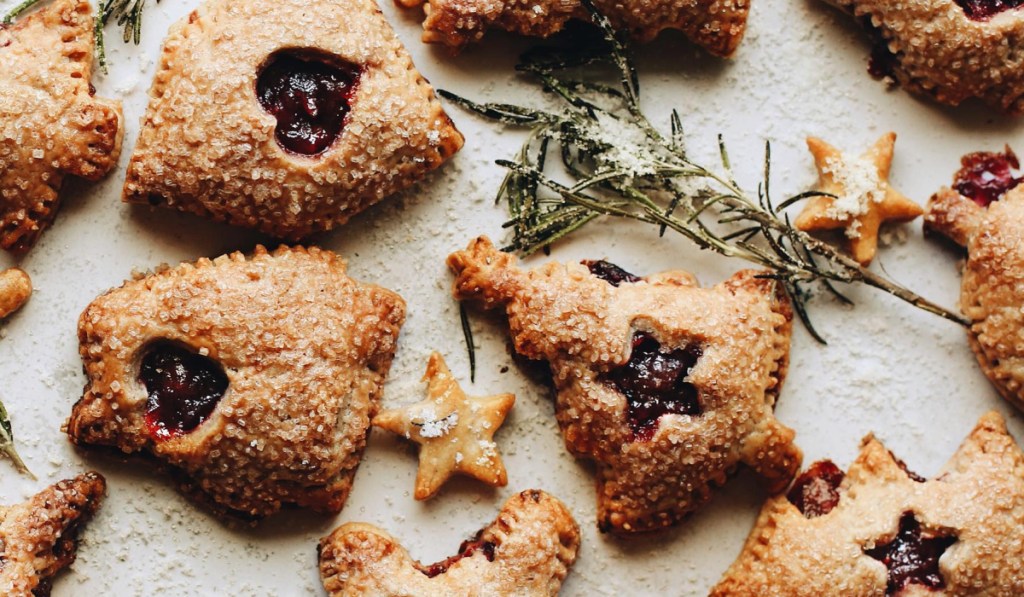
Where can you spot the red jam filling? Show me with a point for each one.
(983, 10)
(183, 387)
(467, 549)
(654, 383)
(912, 558)
(816, 491)
(611, 273)
(882, 62)
(309, 96)
(985, 176)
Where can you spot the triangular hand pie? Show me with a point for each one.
(666, 386)
(50, 123)
(527, 550)
(38, 538)
(253, 379)
(881, 530)
(286, 117)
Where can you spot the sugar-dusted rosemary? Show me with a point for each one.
(7, 442)
(618, 164)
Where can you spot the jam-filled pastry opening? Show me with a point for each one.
(466, 549)
(183, 388)
(654, 383)
(985, 176)
(816, 491)
(983, 10)
(611, 273)
(310, 94)
(912, 556)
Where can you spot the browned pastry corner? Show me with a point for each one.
(233, 133)
(668, 387)
(527, 550)
(15, 288)
(253, 379)
(50, 123)
(949, 50)
(38, 538)
(717, 26)
(991, 295)
(881, 530)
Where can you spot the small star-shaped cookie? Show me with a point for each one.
(455, 431)
(864, 200)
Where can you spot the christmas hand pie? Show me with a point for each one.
(718, 27)
(668, 387)
(51, 126)
(949, 50)
(285, 117)
(881, 530)
(527, 550)
(984, 213)
(252, 379)
(38, 538)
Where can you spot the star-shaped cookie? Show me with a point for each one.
(51, 125)
(864, 199)
(666, 386)
(38, 538)
(455, 431)
(881, 530)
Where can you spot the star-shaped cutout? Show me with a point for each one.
(911, 557)
(864, 200)
(455, 431)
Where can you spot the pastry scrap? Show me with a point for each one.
(666, 386)
(882, 530)
(252, 379)
(15, 288)
(716, 26)
(275, 116)
(948, 50)
(455, 431)
(864, 200)
(38, 538)
(50, 123)
(984, 213)
(527, 550)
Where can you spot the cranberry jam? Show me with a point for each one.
(611, 273)
(983, 10)
(310, 97)
(467, 549)
(654, 383)
(985, 176)
(183, 387)
(816, 491)
(912, 558)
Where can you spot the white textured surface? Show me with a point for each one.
(888, 368)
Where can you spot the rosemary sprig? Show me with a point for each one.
(7, 442)
(620, 165)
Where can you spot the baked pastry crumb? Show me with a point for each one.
(527, 550)
(51, 125)
(15, 288)
(455, 432)
(39, 538)
(666, 386)
(253, 380)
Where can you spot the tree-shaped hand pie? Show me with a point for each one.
(882, 530)
(668, 387)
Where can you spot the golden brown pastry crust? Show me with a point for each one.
(941, 53)
(455, 431)
(15, 288)
(38, 538)
(50, 124)
(208, 147)
(717, 26)
(583, 327)
(978, 497)
(535, 543)
(305, 348)
(990, 295)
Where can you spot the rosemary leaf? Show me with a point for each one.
(467, 333)
(7, 442)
